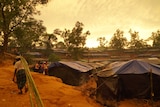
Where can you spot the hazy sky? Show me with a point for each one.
(103, 17)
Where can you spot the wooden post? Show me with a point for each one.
(151, 83)
(88, 55)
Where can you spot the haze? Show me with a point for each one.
(103, 17)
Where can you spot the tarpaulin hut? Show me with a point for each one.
(71, 72)
(130, 79)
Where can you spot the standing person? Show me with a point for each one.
(36, 67)
(45, 65)
(41, 67)
(20, 75)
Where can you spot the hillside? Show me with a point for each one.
(52, 91)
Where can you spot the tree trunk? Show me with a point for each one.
(5, 28)
(5, 43)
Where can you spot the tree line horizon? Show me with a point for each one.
(19, 28)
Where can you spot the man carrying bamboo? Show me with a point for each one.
(20, 75)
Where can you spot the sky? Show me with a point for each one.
(102, 17)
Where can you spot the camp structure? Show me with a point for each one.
(127, 80)
(73, 73)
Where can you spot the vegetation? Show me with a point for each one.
(102, 41)
(118, 41)
(74, 40)
(60, 45)
(19, 28)
(53, 57)
(26, 36)
(14, 14)
(135, 42)
(156, 39)
(48, 42)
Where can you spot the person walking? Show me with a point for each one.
(20, 75)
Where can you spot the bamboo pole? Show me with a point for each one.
(32, 86)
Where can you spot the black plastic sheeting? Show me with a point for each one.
(68, 75)
(128, 86)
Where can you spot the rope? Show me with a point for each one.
(32, 86)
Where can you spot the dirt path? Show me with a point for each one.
(52, 91)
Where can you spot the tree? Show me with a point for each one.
(74, 40)
(135, 42)
(26, 36)
(118, 41)
(15, 13)
(156, 39)
(53, 58)
(60, 45)
(102, 42)
(49, 39)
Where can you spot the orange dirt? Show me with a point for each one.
(53, 92)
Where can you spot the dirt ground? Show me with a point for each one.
(52, 92)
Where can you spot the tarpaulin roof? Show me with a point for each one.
(55, 64)
(84, 64)
(78, 65)
(129, 67)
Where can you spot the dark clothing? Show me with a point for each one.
(41, 68)
(21, 78)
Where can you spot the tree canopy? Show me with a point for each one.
(74, 39)
(118, 41)
(135, 42)
(14, 14)
(26, 36)
(102, 42)
(156, 39)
